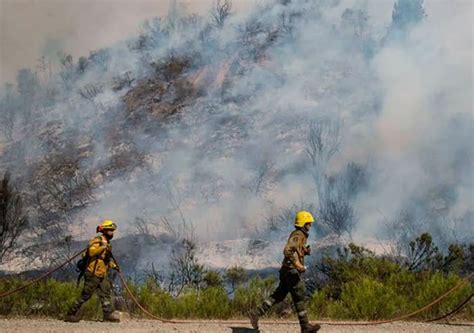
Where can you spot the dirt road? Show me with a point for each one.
(142, 326)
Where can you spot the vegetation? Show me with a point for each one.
(13, 219)
(355, 284)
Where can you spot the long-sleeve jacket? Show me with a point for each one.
(295, 249)
(100, 259)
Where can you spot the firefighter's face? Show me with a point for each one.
(307, 226)
(109, 234)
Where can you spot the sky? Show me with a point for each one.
(29, 27)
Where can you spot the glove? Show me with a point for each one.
(114, 266)
(299, 267)
(307, 250)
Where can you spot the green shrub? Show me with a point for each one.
(433, 287)
(366, 299)
(47, 298)
(358, 286)
(157, 301)
(250, 296)
(317, 304)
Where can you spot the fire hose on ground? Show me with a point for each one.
(43, 276)
(338, 323)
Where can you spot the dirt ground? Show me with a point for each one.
(139, 326)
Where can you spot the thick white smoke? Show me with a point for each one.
(236, 157)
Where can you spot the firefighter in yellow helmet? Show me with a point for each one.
(95, 263)
(290, 279)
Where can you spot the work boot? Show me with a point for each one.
(71, 318)
(310, 328)
(111, 318)
(253, 316)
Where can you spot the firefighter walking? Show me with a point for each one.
(97, 260)
(290, 279)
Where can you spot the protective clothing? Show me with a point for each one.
(99, 260)
(91, 284)
(290, 280)
(100, 254)
(295, 250)
(303, 217)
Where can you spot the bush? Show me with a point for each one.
(367, 299)
(357, 286)
(49, 298)
(433, 287)
(252, 295)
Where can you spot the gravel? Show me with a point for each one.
(139, 326)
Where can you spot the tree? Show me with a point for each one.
(13, 218)
(355, 21)
(335, 209)
(8, 105)
(421, 253)
(323, 142)
(100, 58)
(235, 276)
(62, 189)
(264, 170)
(221, 10)
(212, 279)
(185, 269)
(68, 74)
(405, 15)
(82, 65)
(174, 16)
(28, 85)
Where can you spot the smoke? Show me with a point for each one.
(235, 155)
(424, 132)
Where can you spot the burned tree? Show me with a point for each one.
(63, 190)
(335, 208)
(28, 86)
(323, 142)
(13, 219)
(8, 105)
(222, 9)
(336, 211)
(185, 269)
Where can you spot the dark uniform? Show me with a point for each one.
(290, 280)
(95, 278)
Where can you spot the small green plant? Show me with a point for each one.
(358, 285)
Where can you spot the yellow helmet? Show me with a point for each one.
(303, 217)
(107, 225)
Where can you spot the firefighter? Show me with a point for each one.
(97, 261)
(290, 274)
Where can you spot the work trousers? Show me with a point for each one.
(290, 282)
(93, 283)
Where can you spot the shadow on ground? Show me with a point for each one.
(243, 330)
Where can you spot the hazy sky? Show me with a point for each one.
(29, 27)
